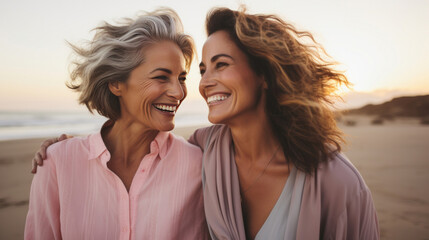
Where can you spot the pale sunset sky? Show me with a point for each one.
(382, 45)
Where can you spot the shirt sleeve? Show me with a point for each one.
(199, 137)
(43, 218)
(358, 220)
(368, 220)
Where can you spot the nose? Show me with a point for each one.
(177, 90)
(207, 80)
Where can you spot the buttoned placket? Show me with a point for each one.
(139, 180)
(128, 200)
(124, 225)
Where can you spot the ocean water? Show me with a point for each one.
(22, 125)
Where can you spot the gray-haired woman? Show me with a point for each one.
(132, 180)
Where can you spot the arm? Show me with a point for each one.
(199, 137)
(368, 217)
(41, 154)
(358, 220)
(43, 218)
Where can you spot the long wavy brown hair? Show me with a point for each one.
(301, 82)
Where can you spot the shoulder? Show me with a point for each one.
(71, 147)
(63, 155)
(213, 129)
(338, 174)
(341, 187)
(184, 147)
(346, 201)
(202, 135)
(336, 200)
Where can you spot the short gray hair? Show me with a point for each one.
(116, 50)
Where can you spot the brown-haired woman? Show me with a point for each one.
(272, 168)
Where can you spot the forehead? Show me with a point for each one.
(164, 54)
(219, 42)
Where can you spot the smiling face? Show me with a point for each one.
(232, 90)
(155, 89)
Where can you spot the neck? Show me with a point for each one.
(253, 139)
(128, 141)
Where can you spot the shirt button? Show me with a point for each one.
(143, 170)
(124, 229)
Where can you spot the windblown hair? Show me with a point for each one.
(301, 82)
(116, 50)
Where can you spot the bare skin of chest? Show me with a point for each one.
(125, 173)
(260, 196)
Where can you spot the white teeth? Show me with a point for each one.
(216, 98)
(165, 107)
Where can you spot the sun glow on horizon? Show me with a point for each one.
(380, 52)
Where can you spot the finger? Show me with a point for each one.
(34, 166)
(45, 145)
(38, 159)
(62, 137)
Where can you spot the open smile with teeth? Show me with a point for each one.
(216, 98)
(165, 108)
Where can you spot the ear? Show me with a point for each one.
(115, 88)
(264, 83)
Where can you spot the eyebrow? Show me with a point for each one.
(167, 71)
(214, 58)
(162, 69)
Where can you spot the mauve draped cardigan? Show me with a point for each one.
(336, 203)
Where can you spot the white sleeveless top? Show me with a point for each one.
(283, 219)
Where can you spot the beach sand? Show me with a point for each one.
(393, 158)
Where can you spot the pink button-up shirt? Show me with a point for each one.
(75, 196)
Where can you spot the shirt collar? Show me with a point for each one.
(97, 146)
(159, 145)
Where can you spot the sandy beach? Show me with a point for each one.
(393, 158)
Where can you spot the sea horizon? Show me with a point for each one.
(38, 124)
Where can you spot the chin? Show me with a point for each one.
(215, 119)
(166, 127)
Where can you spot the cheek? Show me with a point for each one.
(147, 93)
(253, 83)
(185, 91)
(201, 89)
